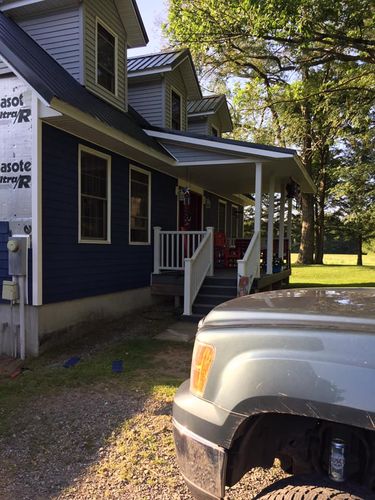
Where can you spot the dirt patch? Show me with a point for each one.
(85, 433)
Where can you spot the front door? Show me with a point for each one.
(190, 208)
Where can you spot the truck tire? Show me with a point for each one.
(314, 488)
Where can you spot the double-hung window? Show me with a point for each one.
(140, 206)
(106, 55)
(94, 196)
(176, 111)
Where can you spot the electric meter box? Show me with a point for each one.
(17, 254)
(10, 290)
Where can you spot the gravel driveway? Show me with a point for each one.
(105, 440)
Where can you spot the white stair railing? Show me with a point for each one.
(200, 265)
(171, 248)
(248, 267)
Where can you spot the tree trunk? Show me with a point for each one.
(320, 204)
(359, 251)
(306, 249)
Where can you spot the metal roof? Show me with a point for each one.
(220, 140)
(50, 80)
(156, 61)
(209, 104)
(140, 67)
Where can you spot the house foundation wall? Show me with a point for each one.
(51, 319)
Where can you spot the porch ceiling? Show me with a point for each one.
(239, 176)
(228, 167)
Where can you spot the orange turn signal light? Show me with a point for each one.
(203, 356)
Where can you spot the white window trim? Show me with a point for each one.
(108, 158)
(98, 20)
(148, 173)
(218, 216)
(173, 89)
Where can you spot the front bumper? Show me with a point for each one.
(203, 433)
(201, 463)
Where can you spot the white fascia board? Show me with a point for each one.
(20, 3)
(309, 181)
(90, 121)
(146, 72)
(193, 141)
(235, 161)
(205, 113)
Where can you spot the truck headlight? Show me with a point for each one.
(203, 357)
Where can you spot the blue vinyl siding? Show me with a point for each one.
(72, 270)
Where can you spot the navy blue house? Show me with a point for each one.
(113, 168)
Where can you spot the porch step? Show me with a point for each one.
(212, 299)
(220, 281)
(214, 291)
(203, 309)
(193, 318)
(226, 290)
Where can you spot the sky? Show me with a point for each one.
(153, 13)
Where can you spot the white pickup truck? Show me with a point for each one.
(286, 374)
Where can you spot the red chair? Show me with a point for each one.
(225, 256)
(241, 246)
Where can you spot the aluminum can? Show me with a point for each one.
(337, 460)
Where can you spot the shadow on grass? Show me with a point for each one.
(365, 284)
(299, 266)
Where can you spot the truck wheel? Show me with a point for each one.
(314, 488)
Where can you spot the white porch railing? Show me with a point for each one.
(171, 248)
(248, 267)
(197, 268)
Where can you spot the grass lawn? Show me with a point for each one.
(338, 270)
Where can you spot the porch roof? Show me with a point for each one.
(227, 167)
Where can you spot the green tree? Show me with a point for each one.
(293, 60)
(354, 192)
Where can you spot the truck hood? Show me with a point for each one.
(333, 308)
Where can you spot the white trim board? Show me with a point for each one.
(194, 141)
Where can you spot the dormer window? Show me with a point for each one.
(106, 57)
(176, 111)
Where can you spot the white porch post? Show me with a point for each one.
(271, 210)
(258, 210)
(282, 221)
(258, 197)
(157, 230)
(289, 228)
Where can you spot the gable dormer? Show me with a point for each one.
(209, 116)
(89, 41)
(160, 86)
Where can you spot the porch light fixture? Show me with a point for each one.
(184, 195)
